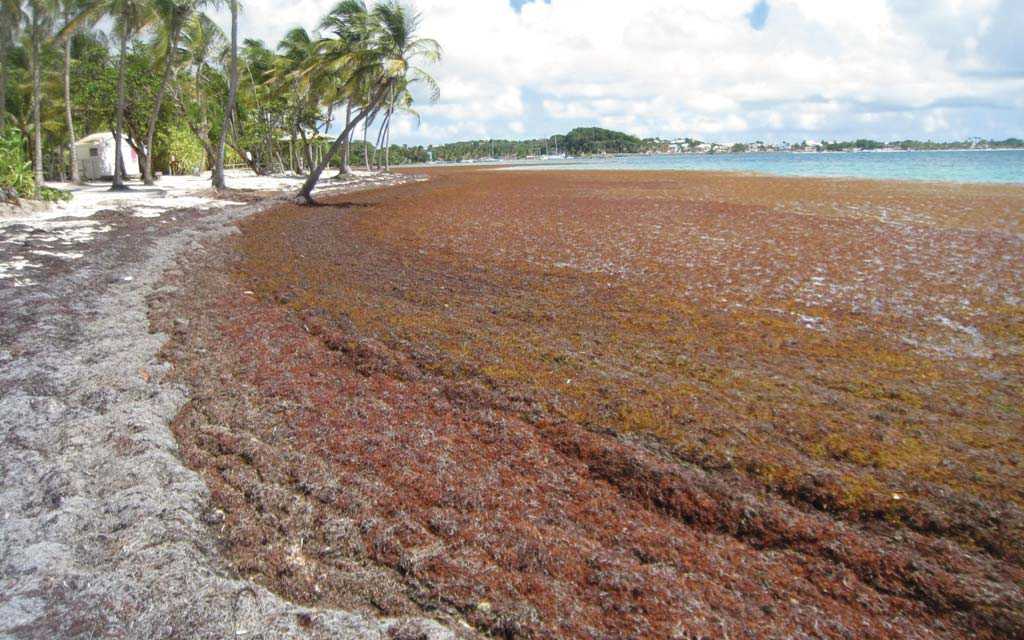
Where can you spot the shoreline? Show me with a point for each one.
(106, 532)
(592, 163)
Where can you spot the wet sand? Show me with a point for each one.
(621, 404)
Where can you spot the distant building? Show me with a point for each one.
(96, 156)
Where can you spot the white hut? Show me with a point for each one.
(96, 156)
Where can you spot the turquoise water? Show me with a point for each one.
(945, 166)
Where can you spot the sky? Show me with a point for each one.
(715, 70)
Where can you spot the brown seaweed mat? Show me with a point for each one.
(621, 405)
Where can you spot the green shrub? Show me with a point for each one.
(179, 143)
(50, 194)
(15, 171)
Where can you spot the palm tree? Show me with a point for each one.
(41, 12)
(130, 17)
(401, 100)
(172, 17)
(11, 13)
(295, 69)
(270, 106)
(201, 39)
(384, 62)
(218, 167)
(349, 21)
(71, 9)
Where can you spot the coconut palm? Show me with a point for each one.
(386, 60)
(218, 167)
(401, 100)
(296, 69)
(130, 18)
(71, 10)
(397, 32)
(201, 41)
(19, 89)
(267, 108)
(349, 21)
(11, 15)
(172, 16)
(40, 16)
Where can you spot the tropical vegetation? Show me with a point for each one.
(186, 97)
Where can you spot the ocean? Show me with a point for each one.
(1005, 167)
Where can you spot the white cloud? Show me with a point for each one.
(691, 67)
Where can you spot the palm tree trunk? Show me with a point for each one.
(307, 153)
(306, 192)
(147, 167)
(387, 138)
(387, 133)
(3, 73)
(36, 98)
(366, 147)
(292, 160)
(346, 148)
(73, 155)
(119, 123)
(218, 169)
(378, 152)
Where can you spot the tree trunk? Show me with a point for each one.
(3, 73)
(218, 169)
(36, 98)
(366, 148)
(306, 192)
(122, 170)
(236, 146)
(347, 146)
(387, 133)
(378, 153)
(292, 163)
(203, 136)
(147, 167)
(73, 155)
(307, 153)
(387, 138)
(119, 124)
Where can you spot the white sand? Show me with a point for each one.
(170, 192)
(63, 230)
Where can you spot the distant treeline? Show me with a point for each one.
(579, 141)
(912, 145)
(594, 140)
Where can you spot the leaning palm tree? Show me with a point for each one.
(201, 40)
(349, 21)
(295, 70)
(401, 100)
(172, 16)
(218, 167)
(383, 63)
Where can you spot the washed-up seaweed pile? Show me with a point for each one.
(596, 404)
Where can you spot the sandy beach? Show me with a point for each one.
(105, 531)
(744, 405)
